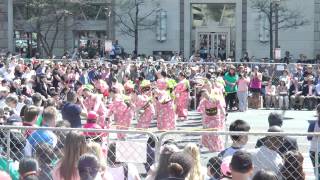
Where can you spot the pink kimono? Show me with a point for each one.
(143, 104)
(218, 91)
(123, 114)
(211, 119)
(95, 103)
(166, 119)
(161, 84)
(182, 97)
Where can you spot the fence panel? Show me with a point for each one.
(279, 159)
(49, 144)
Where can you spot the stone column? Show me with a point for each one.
(10, 25)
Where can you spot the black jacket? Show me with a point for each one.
(288, 144)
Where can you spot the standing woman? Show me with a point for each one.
(255, 87)
(166, 116)
(211, 118)
(231, 79)
(243, 86)
(182, 96)
(66, 169)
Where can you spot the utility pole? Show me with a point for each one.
(271, 29)
(10, 26)
(276, 23)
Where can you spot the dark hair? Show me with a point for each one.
(275, 119)
(28, 169)
(265, 175)
(238, 125)
(214, 165)
(30, 113)
(182, 74)
(180, 165)
(36, 99)
(163, 73)
(292, 168)
(72, 96)
(241, 162)
(88, 167)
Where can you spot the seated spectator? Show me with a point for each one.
(265, 175)
(180, 165)
(66, 168)
(71, 111)
(308, 92)
(4, 176)
(89, 167)
(270, 96)
(196, 172)
(295, 93)
(43, 136)
(266, 156)
(120, 170)
(288, 144)
(282, 92)
(92, 124)
(213, 168)
(238, 142)
(28, 169)
(293, 166)
(241, 165)
(45, 156)
(30, 117)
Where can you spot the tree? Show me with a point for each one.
(131, 20)
(279, 15)
(45, 17)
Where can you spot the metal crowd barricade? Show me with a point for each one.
(183, 138)
(133, 149)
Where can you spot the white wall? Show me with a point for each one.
(147, 39)
(296, 41)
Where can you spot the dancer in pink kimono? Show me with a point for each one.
(166, 117)
(218, 91)
(93, 102)
(144, 105)
(182, 97)
(122, 111)
(209, 107)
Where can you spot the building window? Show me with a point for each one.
(161, 33)
(25, 43)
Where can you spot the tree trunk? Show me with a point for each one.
(271, 32)
(136, 31)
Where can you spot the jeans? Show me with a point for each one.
(243, 100)
(283, 102)
(231, 100)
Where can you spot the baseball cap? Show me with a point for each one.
(92, 115)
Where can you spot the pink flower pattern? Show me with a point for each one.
(166, 117)
(182, 98)
(148, 114)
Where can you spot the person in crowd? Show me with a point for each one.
(66, 168)
(180, 165)
(288, 144)
(30, 117)
(266, 156)
(120, 170)
(182, 96)
(314, 127)
(45, 156)
(243, 87)
(241, 165)
(238, 142)
(255, 87)
(293, 166)
(196, 172)
(307, 74)
(308, 91)
(286, 78)
(29, 169)
(13, 103)
(71, 111)
(43, 136)
(37, 100)
(265, 175)
(92, 124)
(231, 78)
(282, 92)
(270, 95)
(41, 85)
(213, 168)
(89, 167)
(208, 107)
(295, 93)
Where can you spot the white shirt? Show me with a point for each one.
(118, 172)
(267, 159)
